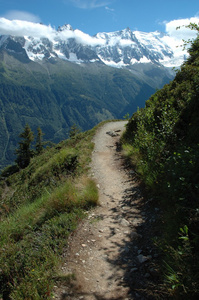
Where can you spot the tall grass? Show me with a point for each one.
(40, 206)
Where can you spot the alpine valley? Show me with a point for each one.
(53, 82)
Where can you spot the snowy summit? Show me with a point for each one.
(117, 49)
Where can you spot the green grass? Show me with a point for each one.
(40, 206)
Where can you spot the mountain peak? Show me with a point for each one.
(127, 29)
(65, 27)
(119, 49)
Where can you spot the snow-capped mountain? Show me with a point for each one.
(123, 48)
(66, 77)
(117, 49)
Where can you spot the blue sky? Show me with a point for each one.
(93, 16)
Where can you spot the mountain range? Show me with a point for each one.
(117, 49)
(70, 77)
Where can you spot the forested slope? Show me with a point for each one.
(56, 95)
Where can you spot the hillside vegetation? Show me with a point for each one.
(162, 141)
(54, 96)
(40, 206)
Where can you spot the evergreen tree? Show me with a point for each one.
(24, 152)
(74, 130)
(39, 141)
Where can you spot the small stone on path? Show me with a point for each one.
(124, 222)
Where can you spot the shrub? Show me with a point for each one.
(163, 139)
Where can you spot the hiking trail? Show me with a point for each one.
(110, 253)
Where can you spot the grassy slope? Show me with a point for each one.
(162, 140)
(40, 206)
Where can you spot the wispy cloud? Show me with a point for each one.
(21, 15)
(89, 4)
(109, 9)
(111, 12)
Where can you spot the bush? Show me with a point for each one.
(163, 141)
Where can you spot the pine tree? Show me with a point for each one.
(24, 152)
(74, 130)
(39, 141)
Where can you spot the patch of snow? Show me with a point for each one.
(61, 55)
(134, 61)
(144, 59)
(73, 58)
(35, 57)
(112, 63)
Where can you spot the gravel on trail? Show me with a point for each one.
(110, 253)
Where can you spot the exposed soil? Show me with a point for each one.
(111, 253)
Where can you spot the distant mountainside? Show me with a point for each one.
(54, 83)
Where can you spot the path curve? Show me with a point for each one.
(99, 253)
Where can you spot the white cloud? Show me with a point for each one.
(36, 30)
(126, 43)
(25, 28)
(80, 37)
(183, 32)
(21, 15)
(175, 37)
(89, 4)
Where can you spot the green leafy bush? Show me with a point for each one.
(162, 140)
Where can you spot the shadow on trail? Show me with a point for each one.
(138, 256)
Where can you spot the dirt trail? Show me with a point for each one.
(110, 253)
